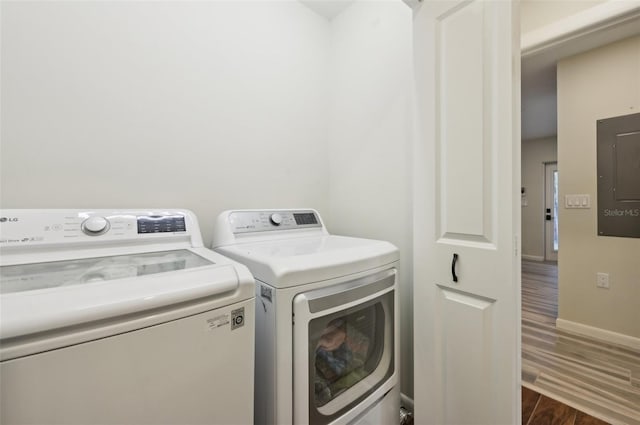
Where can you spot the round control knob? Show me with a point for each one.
(276, 219)
(94, 226)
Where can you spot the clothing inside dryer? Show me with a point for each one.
(348, 349)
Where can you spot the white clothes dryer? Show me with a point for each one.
(121, 317)
(326, 318)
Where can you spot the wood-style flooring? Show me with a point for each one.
(592, 376)
(541, 410)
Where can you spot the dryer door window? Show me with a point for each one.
(348, 349)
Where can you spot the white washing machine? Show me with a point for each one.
(326, 318)
(121, 317)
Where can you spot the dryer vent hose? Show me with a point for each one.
(406, 417)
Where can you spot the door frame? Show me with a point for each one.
(599, 25)
(549, 253)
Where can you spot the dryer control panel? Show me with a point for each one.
(261, 221)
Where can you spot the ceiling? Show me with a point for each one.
(538, 73)
(327, 8)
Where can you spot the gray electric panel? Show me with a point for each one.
(619, 176)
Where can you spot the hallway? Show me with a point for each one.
(598, 378)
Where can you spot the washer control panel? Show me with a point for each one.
(161, 224)
(29, 227)
(262, 221)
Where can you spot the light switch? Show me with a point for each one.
(568, 201)
(577, 201)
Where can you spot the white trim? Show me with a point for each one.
(532, 257)
(550, 168)
(599, 333)
(591, 20)
(406, 402)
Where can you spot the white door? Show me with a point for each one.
(466, 206)
(551, 211)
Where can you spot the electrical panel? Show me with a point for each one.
(619, 176)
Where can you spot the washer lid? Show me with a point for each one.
(54, 274)
(289, 262)
(38, 297)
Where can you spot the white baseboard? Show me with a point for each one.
(406, 402)
(532, 257)
(599, 333)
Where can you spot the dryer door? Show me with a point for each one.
(344, 356)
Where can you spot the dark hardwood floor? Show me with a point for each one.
(542, 410)
(592, 376)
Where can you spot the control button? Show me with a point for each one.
(276, 219)
(94, 226)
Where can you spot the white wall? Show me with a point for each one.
(535, 153)
(210, 106)
(200, 105)
(370, 136)
(601, 83)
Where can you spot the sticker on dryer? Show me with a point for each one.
(265, 292)
(216, 322)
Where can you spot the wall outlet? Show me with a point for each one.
(602, 280)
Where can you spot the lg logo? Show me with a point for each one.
(9, 219)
